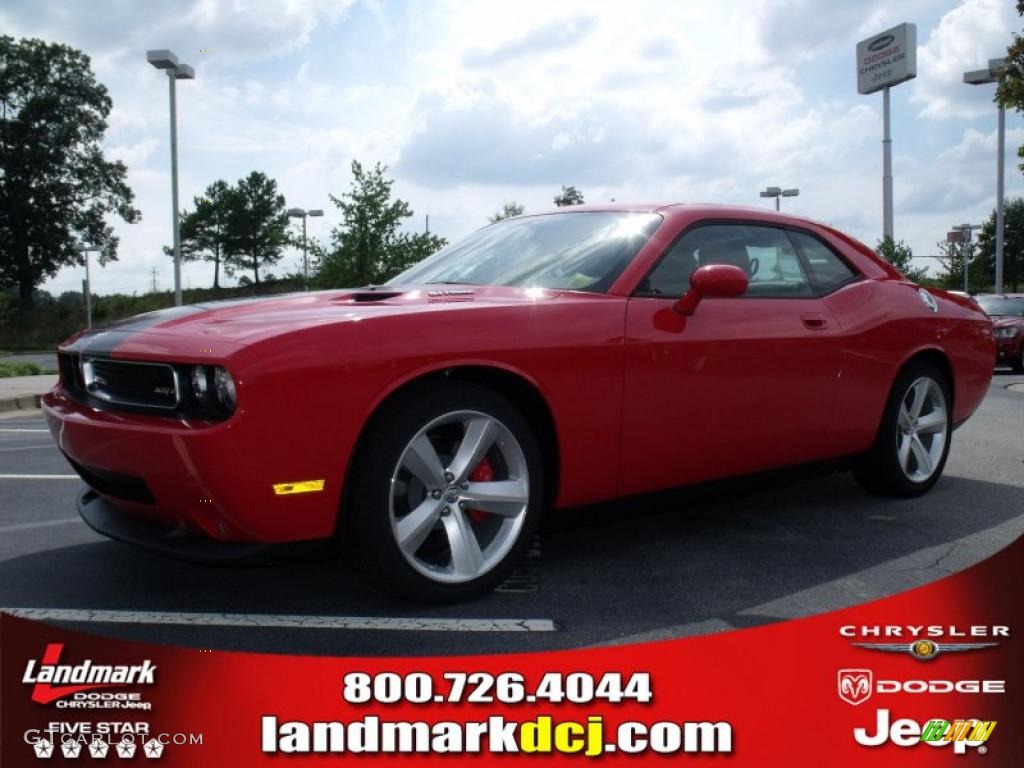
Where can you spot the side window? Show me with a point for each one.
(764, 253)
(828, 271)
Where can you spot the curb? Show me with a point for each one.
(23, 403)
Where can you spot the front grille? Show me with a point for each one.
(132, 383)
(124, 487)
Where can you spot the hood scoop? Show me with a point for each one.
(370, 297)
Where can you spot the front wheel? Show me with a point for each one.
(445, 494)
(913, 440)
(1018, 363)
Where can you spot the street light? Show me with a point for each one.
(995, 70)
(778, 192)
(301, 213)
(961, 233)
(168, 62)
(86, 285)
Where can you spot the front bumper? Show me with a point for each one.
(106, 519)
(214, 480)
(1009, 350)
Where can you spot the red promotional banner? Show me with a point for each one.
(929, 677)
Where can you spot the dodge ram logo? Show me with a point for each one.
(855, 685)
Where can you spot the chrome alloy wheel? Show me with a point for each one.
(921, 429)
(459, 496)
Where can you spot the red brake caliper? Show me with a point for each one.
(484, 473)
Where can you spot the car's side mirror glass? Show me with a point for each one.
(720, 281)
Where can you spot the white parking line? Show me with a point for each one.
(277, 621)
(27, 431)
(39, 477)
(38, 524)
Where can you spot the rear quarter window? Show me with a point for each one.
(827, 270)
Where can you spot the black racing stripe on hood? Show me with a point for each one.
(101, 342)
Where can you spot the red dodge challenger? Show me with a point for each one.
(545, 361)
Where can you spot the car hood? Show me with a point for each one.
(243, 321)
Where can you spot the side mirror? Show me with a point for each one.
(719, 281)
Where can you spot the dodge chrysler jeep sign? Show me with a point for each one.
(888, 58)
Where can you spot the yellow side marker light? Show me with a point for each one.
(301, 486)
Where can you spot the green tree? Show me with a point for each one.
(56, 187)
(508, 211)
(203, 230)
(1010, 91)
(568, 196)
(901, 257)
(1013, 245)
(951, 267)
(255, 224)
(367, 247)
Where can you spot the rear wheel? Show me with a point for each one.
(913, 441)
(445, 494)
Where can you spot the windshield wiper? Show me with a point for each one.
(451, 282)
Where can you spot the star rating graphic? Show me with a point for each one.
(153, 748)
(71, 749)
(98, 748)
(126, 749)
(43, 749)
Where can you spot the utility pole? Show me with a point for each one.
(992, 74)
(302, 213)
(152, 277)
(428, 224)
(168, 62)
(87, 283)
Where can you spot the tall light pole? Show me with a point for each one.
(961, 233)
(167, 61)
(301, 213)
(86, 284)
(995, 70)
(779, 192)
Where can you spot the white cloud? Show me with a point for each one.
(473, 105)
(965, 39)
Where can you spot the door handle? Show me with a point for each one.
(814, 322)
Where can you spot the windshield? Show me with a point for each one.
(997, 306)
(582, 251)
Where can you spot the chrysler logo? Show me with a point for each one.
(923, 650)
(880, 42)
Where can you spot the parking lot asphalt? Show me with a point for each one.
(693, 562)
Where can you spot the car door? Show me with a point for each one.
(743, 384)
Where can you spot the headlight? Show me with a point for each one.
(1006, 333)
(225, 388)
(200, 382)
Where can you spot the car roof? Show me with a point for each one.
(709, 210)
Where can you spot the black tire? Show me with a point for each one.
(880, 470)
(368, 528)
(1018, 364)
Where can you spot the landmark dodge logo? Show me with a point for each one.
(80, 677)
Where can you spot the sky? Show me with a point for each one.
(472, 104)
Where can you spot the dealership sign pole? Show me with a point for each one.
(885, 60)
